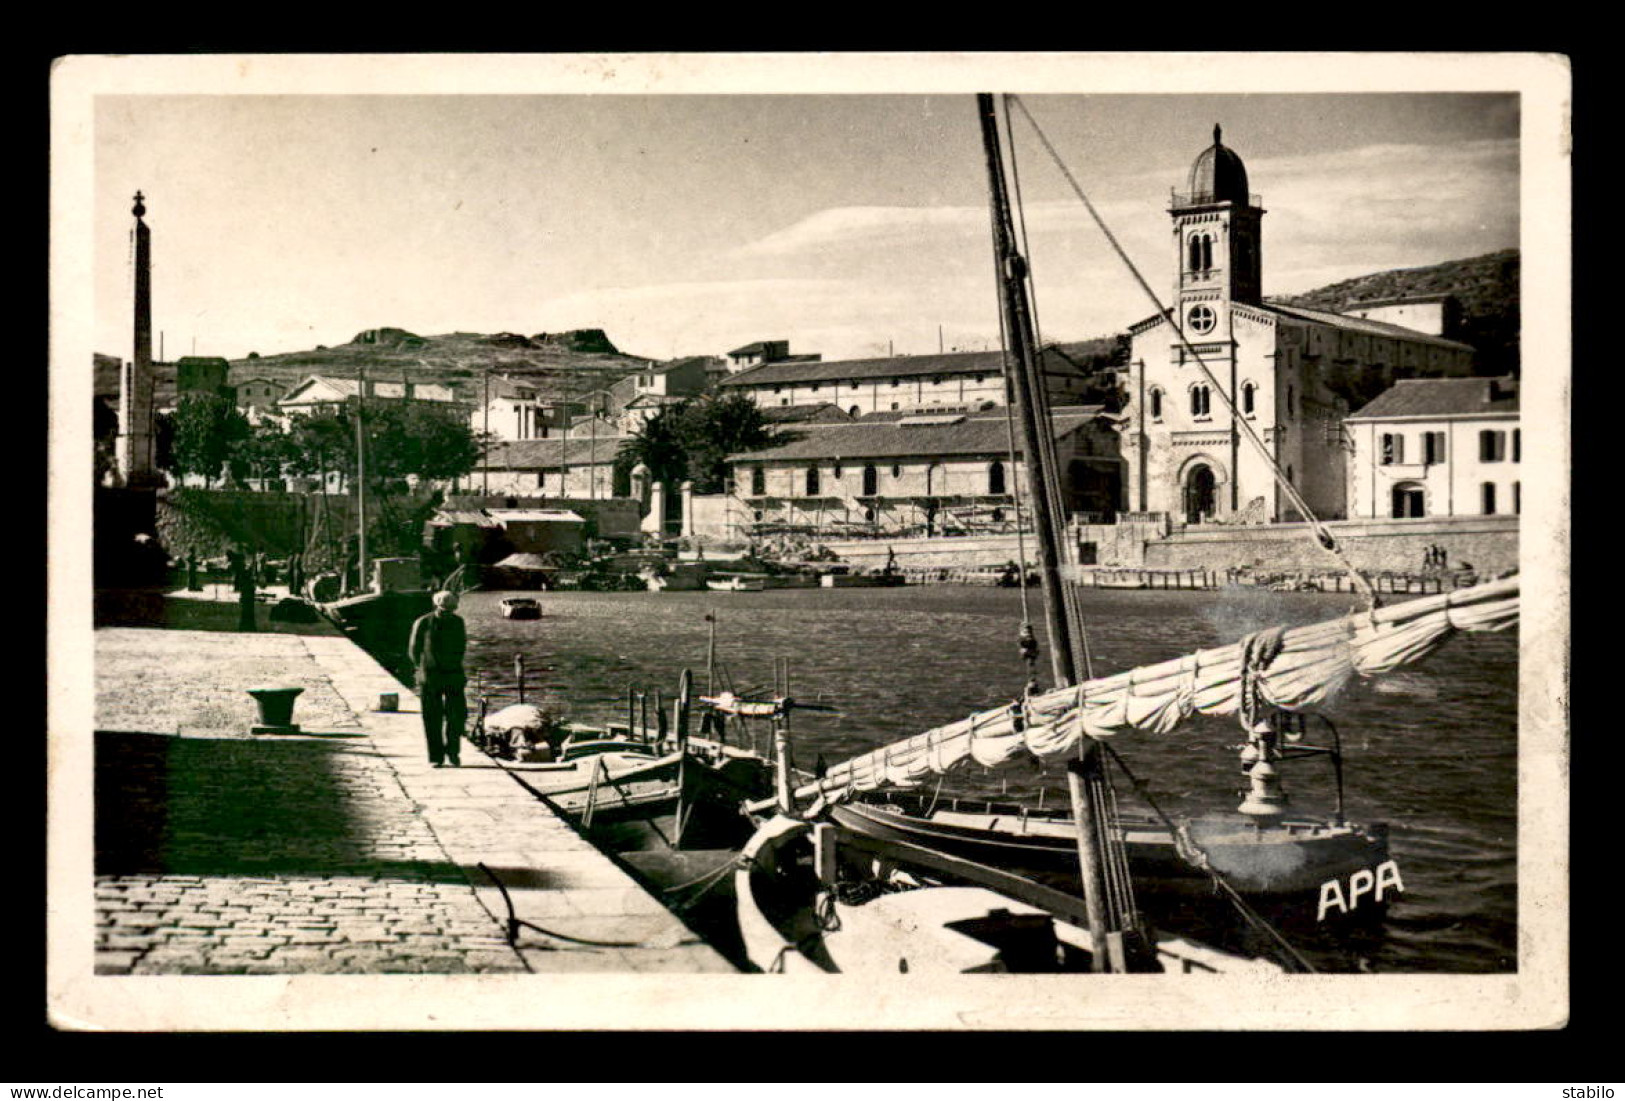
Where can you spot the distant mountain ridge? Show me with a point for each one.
(560, 364)
(571, 363)
(1486, 286)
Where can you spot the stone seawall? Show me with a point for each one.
(209, 522)
(981, 550)
(1488, 543)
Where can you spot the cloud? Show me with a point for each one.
(870, 227)
(1403, 194)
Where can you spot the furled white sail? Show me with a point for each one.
(1311, 665)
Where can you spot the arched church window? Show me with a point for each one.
(1156, 404)
(1248, 390)
(1196, 252)
(1207, 252)
(1201, 401)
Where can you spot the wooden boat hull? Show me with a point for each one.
(861, 580)
(735, 585)
(990, 921)
(1286, 867)
(381, 623)
(616, 785)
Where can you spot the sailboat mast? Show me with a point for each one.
(1012, 270)
(1085, 778)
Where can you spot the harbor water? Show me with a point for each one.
(1431, 750)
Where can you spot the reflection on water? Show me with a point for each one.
(1431, 750)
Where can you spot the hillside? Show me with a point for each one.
(560, 364)
(1486, 286)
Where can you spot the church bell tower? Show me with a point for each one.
(1217, 244)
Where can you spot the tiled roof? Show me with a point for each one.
(509, 389)
(477, 517)
(1335, 320)
(546, 454)
(382, 388)
(794, 414)
(1442, 397)
(754, 348)
(643, 400)
(934, 435)
(779, 372)
(1365, 325)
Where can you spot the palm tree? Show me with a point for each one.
(659, 445)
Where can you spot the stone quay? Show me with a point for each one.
(337, 849)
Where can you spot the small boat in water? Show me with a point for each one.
(814, 897)
(602, 775)
(521, 607)
(861, 580)
(639, 769)
(736, 584)
(1280, 868)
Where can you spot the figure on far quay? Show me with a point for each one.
(436, 648)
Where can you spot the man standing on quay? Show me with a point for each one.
(436, 648)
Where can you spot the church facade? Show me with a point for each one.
(1286, 375)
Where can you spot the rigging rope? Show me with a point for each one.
(1193, 853)
(1026, 641)
(1041, 395)
(1322, 536)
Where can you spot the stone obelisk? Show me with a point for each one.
(135, 441)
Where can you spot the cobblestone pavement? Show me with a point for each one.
(338, 850)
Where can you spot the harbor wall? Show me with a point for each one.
(969, 550)
(607, 517)
(209, 522)
(1487, 543)
(713, 516)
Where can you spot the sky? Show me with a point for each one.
(693, 224)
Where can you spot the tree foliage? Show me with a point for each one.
(410, 438)
(716, 427)
(264, 453)
(419, 439)
(691, 441)
(658, 445)
(206, 428)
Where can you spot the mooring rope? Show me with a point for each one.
(1193, 854)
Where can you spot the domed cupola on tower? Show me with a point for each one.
(1217, 230)
(1218, 176)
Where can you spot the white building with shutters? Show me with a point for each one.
(1437, 447)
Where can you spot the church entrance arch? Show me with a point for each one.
(1201, 493)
